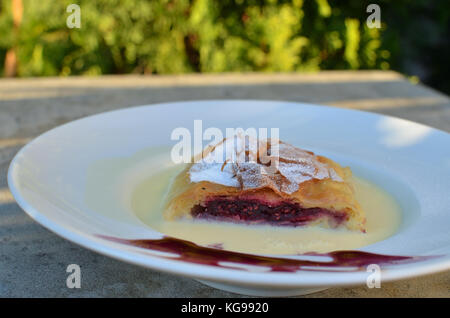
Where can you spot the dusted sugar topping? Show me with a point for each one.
(248, 163)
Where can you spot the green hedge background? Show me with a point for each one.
(181, 36)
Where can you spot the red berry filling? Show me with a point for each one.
(259, 211)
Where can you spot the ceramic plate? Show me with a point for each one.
(49, 177)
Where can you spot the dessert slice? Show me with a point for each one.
(301, 189)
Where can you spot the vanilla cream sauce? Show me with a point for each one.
(138, 185)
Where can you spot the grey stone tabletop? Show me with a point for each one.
(33, 261)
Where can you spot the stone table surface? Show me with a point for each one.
(33, 261)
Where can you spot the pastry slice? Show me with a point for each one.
(301, 189)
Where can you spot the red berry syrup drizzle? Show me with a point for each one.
(193, 253)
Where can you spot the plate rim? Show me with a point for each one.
(193, 270)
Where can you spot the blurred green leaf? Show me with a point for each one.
(179, 36)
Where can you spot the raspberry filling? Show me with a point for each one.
(254, 211)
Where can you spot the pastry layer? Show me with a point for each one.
(327, 195)
(311, 189)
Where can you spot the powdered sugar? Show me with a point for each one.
(242, 165)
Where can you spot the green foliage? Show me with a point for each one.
(179, 36)
(115, 37)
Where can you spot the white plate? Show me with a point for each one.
(411, 161)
